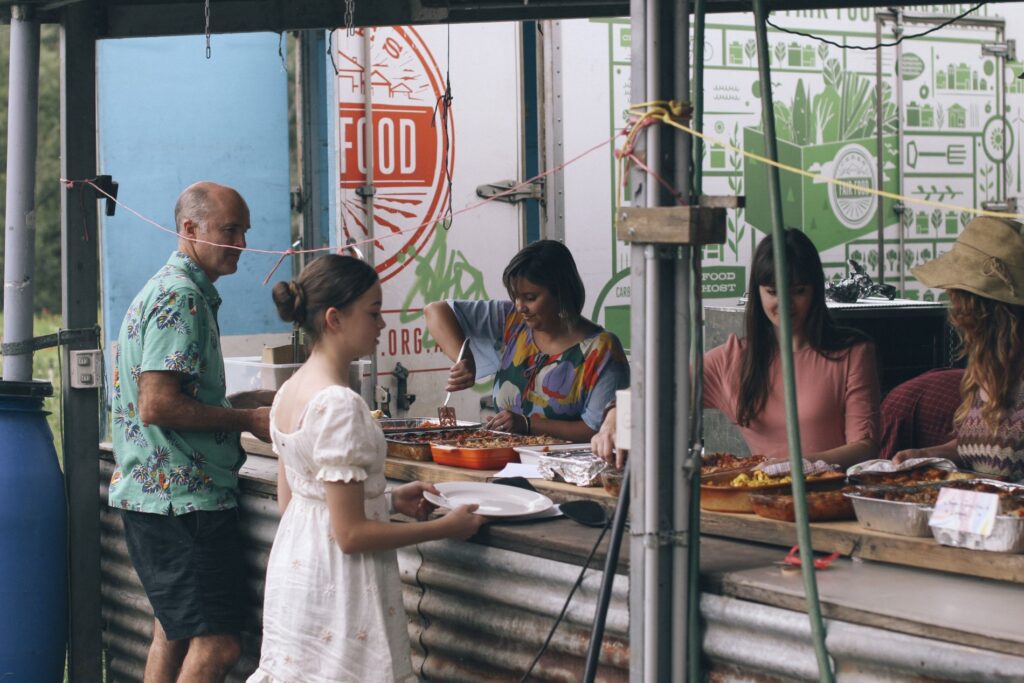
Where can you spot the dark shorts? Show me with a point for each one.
(192, 568)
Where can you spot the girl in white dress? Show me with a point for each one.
(333, 603)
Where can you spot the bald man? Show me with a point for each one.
(176, 445)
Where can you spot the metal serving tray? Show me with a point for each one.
(418, 424)
(1007, 532)
(892, 517)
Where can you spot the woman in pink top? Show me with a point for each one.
(837, 379)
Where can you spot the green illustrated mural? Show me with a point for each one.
(831, 133)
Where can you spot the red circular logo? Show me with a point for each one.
(413, 143)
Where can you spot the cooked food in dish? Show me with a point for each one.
(918, 475)
(496, 440)
(822, 506)
(722, 462)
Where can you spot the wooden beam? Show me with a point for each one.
(80, 303)
(694, 225)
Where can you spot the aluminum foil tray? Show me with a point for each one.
(580, 467)
(892, 517)
(1007, 537)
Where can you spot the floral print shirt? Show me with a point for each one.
(172, 326)
(576, 384)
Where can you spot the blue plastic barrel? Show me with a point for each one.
(33, 540)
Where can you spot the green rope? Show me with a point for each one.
(786, 350)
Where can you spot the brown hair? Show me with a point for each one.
(762, 348)
(549, 264)
(992, 340)
(330, 281)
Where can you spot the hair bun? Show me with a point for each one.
(298, 296)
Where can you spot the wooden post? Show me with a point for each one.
(80, 301)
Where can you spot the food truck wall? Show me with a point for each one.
(957, 143)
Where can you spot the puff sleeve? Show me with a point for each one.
(344, 447)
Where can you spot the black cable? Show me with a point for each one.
(879, 45)
(444, 105)
(565, 607)
(611, 561)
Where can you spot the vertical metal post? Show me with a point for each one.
(80, 303)
(660, 315)
(368, 190)
(680, 500)
(20, 221)
(898, 88)
(880, 149)
(553, 227)
(311, 83)
(782, 285)
(693, 630)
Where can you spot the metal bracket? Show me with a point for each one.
(1008, 205)
(534, 190)
(1007, 50)
(660, 539)
(85, 335)
(365, 191)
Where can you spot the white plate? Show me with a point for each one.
(495, 500)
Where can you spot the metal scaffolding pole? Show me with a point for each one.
(782, 285)
(660, 303)
(80, 301)
(20, 245)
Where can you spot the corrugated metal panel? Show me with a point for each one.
(486, 611)
(483, 616)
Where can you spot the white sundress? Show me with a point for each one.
(329, 617)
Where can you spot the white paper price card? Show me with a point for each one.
(965, 511)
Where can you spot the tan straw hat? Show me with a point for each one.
(987, 259)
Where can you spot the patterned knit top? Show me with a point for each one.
(1000, 452)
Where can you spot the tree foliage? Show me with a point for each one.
(47, 267)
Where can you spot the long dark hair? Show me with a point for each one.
(762, 347)
(330, 281)
(549, 264)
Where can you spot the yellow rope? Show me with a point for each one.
(657, 110)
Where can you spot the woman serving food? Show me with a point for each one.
(554, 370)
(836, 375)
(984, 276)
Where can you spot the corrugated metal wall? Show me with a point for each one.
(479, 614)
(475, 613)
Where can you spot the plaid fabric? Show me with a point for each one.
(919, 412)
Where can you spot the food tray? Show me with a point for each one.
(717, 495)
(1007, 536)
(712, 463)
(416, 445)
(472, 458)
(418, 424)
(890, 516)
(1007, 531)
(822, 506)
(530, 455)
(920, 475)
(461, 452)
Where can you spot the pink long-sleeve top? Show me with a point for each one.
(837, 399)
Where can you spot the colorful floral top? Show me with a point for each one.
(999, 452)
(172, 326)
(576, 384)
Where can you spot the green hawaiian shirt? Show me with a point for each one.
(172, 326)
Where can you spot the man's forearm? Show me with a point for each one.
(187, 414)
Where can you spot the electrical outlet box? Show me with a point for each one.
(86, 369)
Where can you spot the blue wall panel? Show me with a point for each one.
(169, 117)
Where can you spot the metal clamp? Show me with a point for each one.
(85, 335)
(660, 539)
(523, 192)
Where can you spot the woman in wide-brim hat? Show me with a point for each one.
(984, 276)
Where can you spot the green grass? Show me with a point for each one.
(45, 366)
